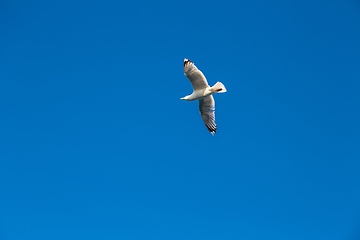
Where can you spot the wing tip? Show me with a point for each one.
(186, 61)
(212, 130)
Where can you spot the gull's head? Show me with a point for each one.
(185, 98)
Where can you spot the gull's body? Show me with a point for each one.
(199, 94)
(203, 92)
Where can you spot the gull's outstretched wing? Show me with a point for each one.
(195, 76)
(207, 111)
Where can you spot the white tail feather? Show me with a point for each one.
(219, 87)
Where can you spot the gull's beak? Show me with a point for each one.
(182, 98)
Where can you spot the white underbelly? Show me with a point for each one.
(199, 94)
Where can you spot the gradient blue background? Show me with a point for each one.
(95, 142)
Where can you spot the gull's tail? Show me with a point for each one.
(219, 87)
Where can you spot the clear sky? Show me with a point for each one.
(95, 142)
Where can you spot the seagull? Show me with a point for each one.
(203, 92)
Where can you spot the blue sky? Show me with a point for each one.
(95, 142)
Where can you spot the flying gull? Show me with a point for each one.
(203, 92)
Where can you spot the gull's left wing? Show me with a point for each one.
(195, 76)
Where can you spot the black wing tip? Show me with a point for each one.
(212, 130)
(186, 61)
